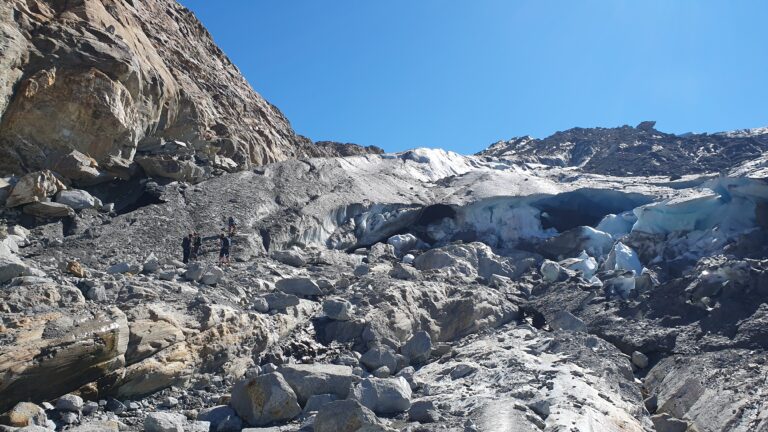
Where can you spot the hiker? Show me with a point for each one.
(231, 225)
(226, 243)
(186, 247)
(197, 244)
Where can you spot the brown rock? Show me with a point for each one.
(34, 187)
(76, 269)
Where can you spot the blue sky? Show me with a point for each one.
(463, 74)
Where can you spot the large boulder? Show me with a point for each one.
(281, 301)
(289, 257)
(11, 265)
(82, 169)
(418, 348)
(265, 399)
(378, 356)
(384, 396)
(212, 275)
(27, 414)
(77, 347)
(316, 379)
(347, 416)
(34, 187)
(171, 167)
(299, 286)
(337, 309)
(164, 422)
(221, 418)
(76, 198)
(52, 210)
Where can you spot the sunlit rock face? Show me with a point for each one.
(113, 79)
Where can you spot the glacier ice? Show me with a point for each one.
(622, 257)
(617, 225)
(584, 264)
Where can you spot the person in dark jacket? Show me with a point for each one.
(197, 244)
(186, 247)
(226, 244)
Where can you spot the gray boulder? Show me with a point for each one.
(212, 276)
(461, 370)
(418, 348)
(564, 320)
(222, 418)
(70, 402)
(164, 422)
(315, 402)
(11, 265)
(302, 287)
(76, 198)
(194, 271)
(281, 301)
(265, 399)
(378, 356)
(260, 304)
(423, 412)
(151, 264)
(124, 267)
(338, 309)
(384, 396)
(289, 257)
(347, 416)
(314, 379)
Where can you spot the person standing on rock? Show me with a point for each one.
(186, 247)
(231, 225)
(226, 243)
(197, 244)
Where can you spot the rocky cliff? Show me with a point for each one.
(118, 80)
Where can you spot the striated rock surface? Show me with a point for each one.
(119, 79)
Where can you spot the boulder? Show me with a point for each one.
(337, 309)
(300, 286)
(639, 359)
(212, 275)
(378, 356)
(260, 304)
(404, 272)
(423, 412)
(384, 396)
(82, 169)
(666, 423)
(281, 301)
(194, 271)
(164, 422)
(27, 414)
(317, 401)
(34, 187)
(70, 402)
(265, 399)
(151, 264)
(418, 348)
(11, 265)
(221, 418)
(76, 198)
(462, 370)
(314, 379)
(124, 267)
(49, 210)
(83, 345)
(564, 320)
(289, 257)
(171, 167)
(76, 269)
(553, 272)
(347, 416)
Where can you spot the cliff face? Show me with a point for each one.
(115, 79)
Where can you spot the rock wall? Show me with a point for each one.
(115, 77)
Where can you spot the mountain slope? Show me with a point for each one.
(640, 150)
(115, 78)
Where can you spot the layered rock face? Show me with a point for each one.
(115, 80)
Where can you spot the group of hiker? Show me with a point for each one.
(192, 244)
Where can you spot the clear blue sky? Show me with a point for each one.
(461, 74)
